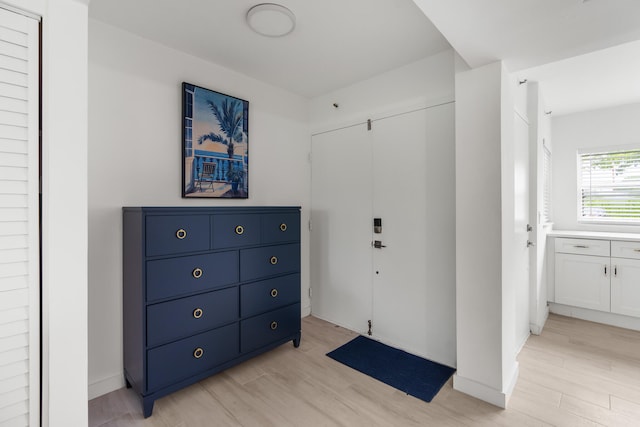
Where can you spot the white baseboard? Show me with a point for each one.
(512, 382)
(612, 319)
(305, 311)
(106, 385)
(521, 344)
(536, 329)
(484, 392)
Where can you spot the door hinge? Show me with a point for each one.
(368, 124)
(310, 225)
(369, 325)
(309, 293)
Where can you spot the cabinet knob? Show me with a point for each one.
(283, 227)
(197, 313)
(274, 325)
(198, 352)
(181, 234)
(239, 229)
(273, 260)
(197, 273)
(274, 292)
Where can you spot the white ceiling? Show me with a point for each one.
(339, 42)
(600, 79)
(529, 33)
(335, 42)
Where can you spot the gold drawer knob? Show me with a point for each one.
(274, 325)
(273, 260)
(181, 234)
(283, 227)
(197, 273)
(198, 352)
(197, 313)
(239, 229)
(274, 292)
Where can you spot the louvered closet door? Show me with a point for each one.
(19, 221)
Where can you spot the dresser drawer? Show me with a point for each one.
(179, 318)
(172, 234)
(269, 260)
(280, 227)
(620, 249)
(177, 361)
(266, 295)
(178, 276)
(266, 328)
(235, 230)
(582, 246)
(186, 313)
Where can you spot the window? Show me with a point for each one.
(609, 186)
(546, 184)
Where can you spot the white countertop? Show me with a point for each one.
(602, 235)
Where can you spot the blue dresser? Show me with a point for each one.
(205, 289)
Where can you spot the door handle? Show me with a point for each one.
(378, 244)
(530, 243)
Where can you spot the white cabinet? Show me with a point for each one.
(625, 280)
(583, 273)
(583, 281)
(598, 274)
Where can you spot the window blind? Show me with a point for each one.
(610, 185)
(19, 221)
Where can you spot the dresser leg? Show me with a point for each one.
(296, 341)
(147, 405)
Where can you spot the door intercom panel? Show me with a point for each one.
(377, 225)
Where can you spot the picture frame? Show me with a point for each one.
(215, 144)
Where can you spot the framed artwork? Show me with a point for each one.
(215, 144)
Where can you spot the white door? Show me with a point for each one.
(19, 221)
(401, 171)
(583, 281)
(414, 196)
(521, 230)
(625, 286)
(341, 215)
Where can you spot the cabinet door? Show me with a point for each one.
(583, 281)
(625, 286)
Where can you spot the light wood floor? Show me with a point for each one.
(575, 374)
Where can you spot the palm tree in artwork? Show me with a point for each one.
(229, 115)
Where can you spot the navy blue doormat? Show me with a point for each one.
(411, 374)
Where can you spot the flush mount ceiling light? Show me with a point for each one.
(271, 20)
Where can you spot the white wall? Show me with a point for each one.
(427, 82)
(485, 300)
(598, 128)
(135, 157)
(64, 209)
(422, 83)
